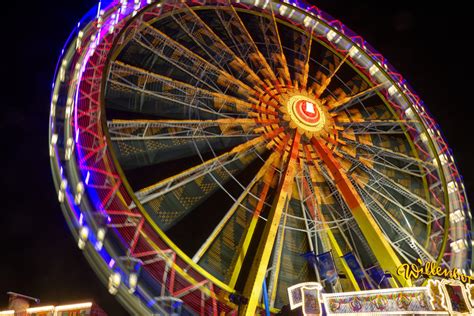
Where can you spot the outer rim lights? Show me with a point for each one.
(79, 192)
(62, 190)
(132, 282)
(100, 239)
(83, 235)
(114, 282)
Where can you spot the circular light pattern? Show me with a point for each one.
(306, 114)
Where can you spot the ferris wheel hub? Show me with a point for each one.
(306, 114)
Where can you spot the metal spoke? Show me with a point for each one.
(382, 154)
(126, 130)
(249, 233)
(140, 80)
(254, 282)
(237, 203)
(382, 127)
(381, 248)
(150, 142)
(381, 161)
(327, 79)
(283, 72)
(243, 42)
(192, 64)
(304, 77)
(213, 45)
(170, 184)
(345, 102)
(384, 182)
(400, 231)
(335, 226)
(273, 47)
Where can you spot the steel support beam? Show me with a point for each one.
(382, 249)
(253, 286)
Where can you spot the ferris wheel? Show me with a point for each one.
(210, 154)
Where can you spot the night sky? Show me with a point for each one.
(429, 44)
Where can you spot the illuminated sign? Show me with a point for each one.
(438, 297)
(431, 269)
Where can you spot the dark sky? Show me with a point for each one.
(428, 44)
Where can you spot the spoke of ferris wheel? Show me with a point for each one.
(254, 281)
(350, 229)
(342, 204)
(218, 51)
(408, 257)
(276, 257)
(327, 230)
(156, 190)
(378, 151)
(382, 192)
(373, 202)
(333, 194)
(162, 96)
(304, 211)
(327, 81)
(401, 231)
(348, 101)
(374, 126)
(237, 203)
(312, 212)
(179, 129)
(304, 78)
(122, 74)
(239, 35)
(310, 221)
(387, 164)
(194, 65)
(383, 251)
(273, 48)
(285, 73)
(249, 232)
(385, 181)
(375, 159)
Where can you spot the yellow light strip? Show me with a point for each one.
(48, 308)
(51, 308)
(73, 306)
(253, 287)
(250, 230)
(381, 247)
